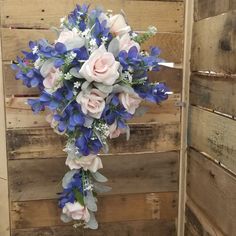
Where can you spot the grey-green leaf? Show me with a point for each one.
(90, 201)
(103, 88)
(75, 72)
(140, 111)
(92, 224)
(99, 188)
(114, 47)
(99, 177)
(67, 178)
(65, 218)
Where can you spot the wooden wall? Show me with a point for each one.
(211, 181)
(143, 172)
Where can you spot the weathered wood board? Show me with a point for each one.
(43, 142)
(16, 40)
(213, 189)
(45, 213)
(213, 134)
(214, 44)
(133, 228)
(216, 93)
(132, 173)
(209, 8)
(167, 16)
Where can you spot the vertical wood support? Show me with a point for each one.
(4, 200)
(189, 8)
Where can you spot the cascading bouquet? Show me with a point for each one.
(91, 81)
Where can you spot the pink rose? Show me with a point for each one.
(118, 25)
(101, 67)
(71, 39)
(92, 102)
(52, 79)
(130, 101)
(76, 211)
(115, 131)
(126, 43)
(91, 163)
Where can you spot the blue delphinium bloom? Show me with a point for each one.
(69, 193)
(152, 92)
(114, 111)
(77, 17)
(87, 142)
(29, 75)
(101, 31)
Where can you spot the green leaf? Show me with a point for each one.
(78, 196)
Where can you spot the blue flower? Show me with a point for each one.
(68, 194)
(153, 92)
(100, 30)
(87, 142)
(77, 17)
(114, 111)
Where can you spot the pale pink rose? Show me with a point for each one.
(130, 101)
(118, 25)
(101, 67)
(92, 102)
(52, 78)
(76, 211)
(90, 162)
(115, 131)
(71, 39)
(126, 43)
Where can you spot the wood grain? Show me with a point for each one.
(131, 228)
(167, 16)
(4, 200)
(209, 8)
(216, 93)
(45, 213)
(217, 54)
(19, 114)
(43, 142)
(212, 189)
(16, 40)
(132, 173)
(197, 223)
(213, 134)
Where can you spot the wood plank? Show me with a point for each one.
(213, 134)
(216, 93)
(188, 25)
(172, 78)
(4, 201)
(217, 54)
(168, 16)
(16, 40)
(197, 223)
(41, 178)
(45, 213)
(209, 8)
(19, 114)
(215, 196)
(131, 228)
(43, 142)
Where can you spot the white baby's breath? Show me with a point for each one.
(77, 84)
(35, 49)
(67, 76)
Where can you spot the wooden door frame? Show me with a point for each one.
(188, 26)
(4, 196)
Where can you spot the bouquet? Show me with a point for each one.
(91, 81)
